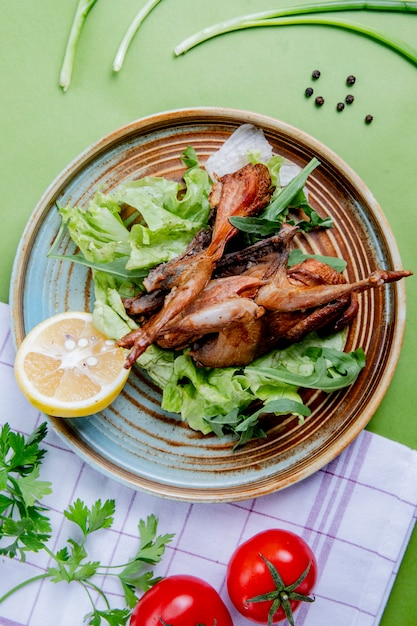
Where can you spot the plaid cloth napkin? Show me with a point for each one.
(357, 514)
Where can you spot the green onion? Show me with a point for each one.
(83, 9)
(131, 32)
(393, 43)
(287, 17)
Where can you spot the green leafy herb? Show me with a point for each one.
(298, 256)
(299, 15)
(232, 399)
(116, 267)
(290, 196)
(71, 563)
(167, 216)
(333, 369)
(245, 426)
(329, 369)
(83, 9)
(23, 525)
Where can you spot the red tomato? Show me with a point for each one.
(271, 561)
(181, 601)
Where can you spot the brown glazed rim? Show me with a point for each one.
(134, 441)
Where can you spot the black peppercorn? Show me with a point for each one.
(349, 99)
(351, 80)
(309, 91)
(368, 119)
(340, 106)
(319, 101)
(316, 74)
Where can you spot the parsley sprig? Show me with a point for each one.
(23, 521)
(24, 527)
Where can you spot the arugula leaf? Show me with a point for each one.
(333, 370)
(116, 267)
(298, 256)
(246, 426)
(286, 194)
(314, 220)
(260, 226)
(285, 198)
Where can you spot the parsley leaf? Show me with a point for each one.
(114, 617)
(90, 520)
(33, 489)
(150, 551)
(23, 525)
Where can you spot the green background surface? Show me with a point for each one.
(265, 70)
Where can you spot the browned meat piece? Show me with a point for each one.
(257, 256)
(293, 298)
(239, 343)
(284, 327)
(224, 303)
(165, 275)
(244, 193)
(232, 308)
(189, 284)
(310, 296)
(235, 346)
(142, 305)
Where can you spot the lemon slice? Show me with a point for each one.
(67, 368)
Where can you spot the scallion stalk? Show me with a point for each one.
(131, 32)
(393, 43)
(288, 17)
(83, 9)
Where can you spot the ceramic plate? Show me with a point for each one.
(134, 441)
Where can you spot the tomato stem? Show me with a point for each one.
(282, 595)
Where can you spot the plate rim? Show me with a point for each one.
(252, 488)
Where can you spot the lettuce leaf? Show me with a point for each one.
(167, 214)
(170, 213)
(222, 399)
(97, 230)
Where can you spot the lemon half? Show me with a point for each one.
(67, 368)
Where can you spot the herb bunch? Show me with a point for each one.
(25, 527)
